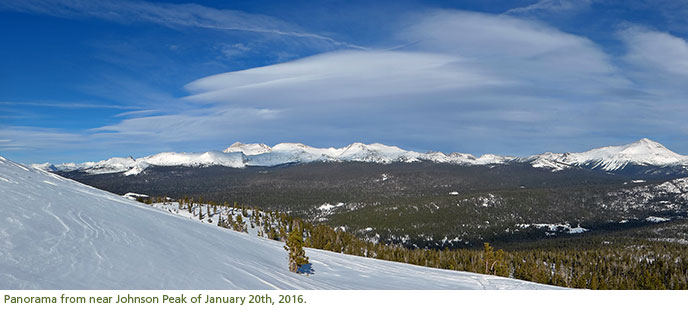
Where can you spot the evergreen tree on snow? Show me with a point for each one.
(297, 255)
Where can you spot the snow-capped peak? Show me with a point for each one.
(651, 152)
(234, 160)
(644, 152)
(248, 149)
(111, 165)
(47, 166)
(376, 152)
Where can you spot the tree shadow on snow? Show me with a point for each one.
(306, 269)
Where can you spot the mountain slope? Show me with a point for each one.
(643, 157)
(642, 153)
(59, 234)
(240, 155)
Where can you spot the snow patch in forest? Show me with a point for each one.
(553, 228)
(326, 207)
(134, 196)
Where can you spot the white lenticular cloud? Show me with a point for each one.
(454, 52)
(343, 75)
(467, 68)
(520, 49)
(660, 51)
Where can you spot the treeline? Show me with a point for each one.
(633, 264)
(644, 265)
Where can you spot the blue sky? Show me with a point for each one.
(87, 80)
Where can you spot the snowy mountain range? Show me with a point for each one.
(60, 234)
(643, 153)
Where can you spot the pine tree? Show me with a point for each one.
(240, 225)
(488, 256)
(297, 255)
(501, 268)
(230, 221)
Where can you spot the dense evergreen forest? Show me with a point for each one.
(636, 258)
(426, 205)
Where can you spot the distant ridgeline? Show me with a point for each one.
(641, 158)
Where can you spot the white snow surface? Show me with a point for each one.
(655, 219)
(60, 234)
(561, 227)
(240, 155)
(248, 149)
(134, 196)
(644, 152)
(233, 160)
(326, 207)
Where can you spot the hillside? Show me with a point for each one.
(60, 234)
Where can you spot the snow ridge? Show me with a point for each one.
(240, 155)
(644, 152)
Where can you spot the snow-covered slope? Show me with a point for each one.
(240, 155)
(111, 165)
(644, 152)
(248, 149)
(232, 160)
(377, 153)
(285, 153)
(131, 166)
(60, 234)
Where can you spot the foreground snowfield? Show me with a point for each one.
(59, 234)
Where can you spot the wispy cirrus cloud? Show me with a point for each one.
(20, 138)
(167, 14)
(68, 105)
(551, 6)
(660, 51)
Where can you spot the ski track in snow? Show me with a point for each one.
(60, 234)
